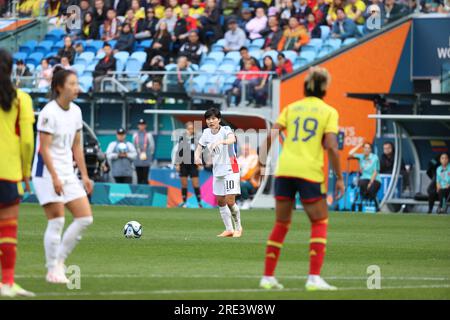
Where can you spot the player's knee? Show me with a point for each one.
(86, 221)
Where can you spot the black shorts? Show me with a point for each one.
(188, 170)
(9, 194)
(287, 187)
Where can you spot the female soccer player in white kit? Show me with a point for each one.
(220, 141)
(56, 185)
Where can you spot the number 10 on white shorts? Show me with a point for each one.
(229, 184)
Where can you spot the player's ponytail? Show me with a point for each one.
(317, 82)
(58, 80)
(7, 91)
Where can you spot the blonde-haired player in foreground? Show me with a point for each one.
(56, 185)
(16, 148)
(311, 126)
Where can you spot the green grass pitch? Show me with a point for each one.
(180, 257)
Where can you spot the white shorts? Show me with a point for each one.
(45, 192)
(229, 184)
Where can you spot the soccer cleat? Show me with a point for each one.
(14, 290)
(237, 233)
(316, 283)
(226, 234)
(57, 275)
(270, 283)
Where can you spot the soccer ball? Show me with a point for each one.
(132, 230)
(122, 147)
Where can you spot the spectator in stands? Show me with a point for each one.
(257, 24)
(443, 183)
(85, 7)
(191, 22)
(145, 148)
(393, 11)
(287, 11)
(313, 28)
(138, 11)
(22, 69)
(154, 64)
(67, 51)
(106, 64)
(387, 163)
(246, 16)
(125, 42)
(159, 8)
(161, 43)
(120, 155)
(45, 74)
(261, 91)
(182, 27)
(52, 8)
(89, 29)
(294, 37)
(196, 11)
(147, 28)
(369, 182)
(210, 21)
(176, 8)
(131, 19)
(155, 88)
(344, 27)
(111, 26)
(248, 78)
(193, 49)
(169, 19)
(235, 37)
(176, 81)
(231, 7)
(272, 35)
(320, 11)
(78, 49)
(99, 12)
(302, 10)
(120, 7)
(284, 65)
(332, 11)
(354, 9)
(245, 56)
(65, 63)
(250, 174)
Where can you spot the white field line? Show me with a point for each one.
(163, 292)
(218, 276)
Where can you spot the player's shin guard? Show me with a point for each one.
(274, 245)
(198, 195)
(184, 192)
(72, 236)
(236, 214)
(52, 240)
(317, 245)
(8, 243)
(226, 217)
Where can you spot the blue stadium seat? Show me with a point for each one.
(112, 43)
(214, 84)
(209, 68)
(28, 47)
(100, 55)
(214, 57)
(44, 46)
(291, 55)
(256, 54)
(273, 54)
(196, 84)
(315, 42)
(31, 67)
(122, 57)
(195, 67)
(348, 41)
(335, 43)
(91, 67)
(323, 53)
(227, 68)
(300, 62)
(170, 66)
(309, 47)
(85, 58)
(228, 83)
(258, 42)
(361, 29)
(233, 55)
(79, 68)
(55, 35)
(308, 55)
(19, 56)
(85, 82)
(57, 45)
(218, 46)
(51, 54)
(325, 32)
(133, 67)
(144, 45)
(35, 58)
(141, 56)
(93, 46)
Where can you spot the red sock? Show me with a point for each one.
(274, 245)
(8, 242)
(317, 245)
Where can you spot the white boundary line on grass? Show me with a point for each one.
(218, 276)
(163, 292)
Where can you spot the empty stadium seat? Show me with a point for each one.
(308, 55)
(218, 46)
(316, 42)
(133, 67)
(93, 46)
(309, 47)
(291, 55)
(214, 84)
(51, 54)
(44, 46)
(348, 41)
(273, 54)
(325, 32)
(335, 43)
(256, 54)
(35, 58)
(19, 56)
(122, 57)
(258, 42)
(79, 68)
(141, 56)
(323, 53)
(55, 35)
(209, 68)
(227, 68)
(85, 58)
(170, 67)
(57, 45)
(196, 84)
(214, 57)
(300, 62)
(85, 82)
(144, 45)
(361, 29)
(28, 47)
(234, 56)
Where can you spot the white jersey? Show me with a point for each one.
(63, 125)
(224, 157)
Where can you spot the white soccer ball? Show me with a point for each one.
(132, 230)
(122, 147)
